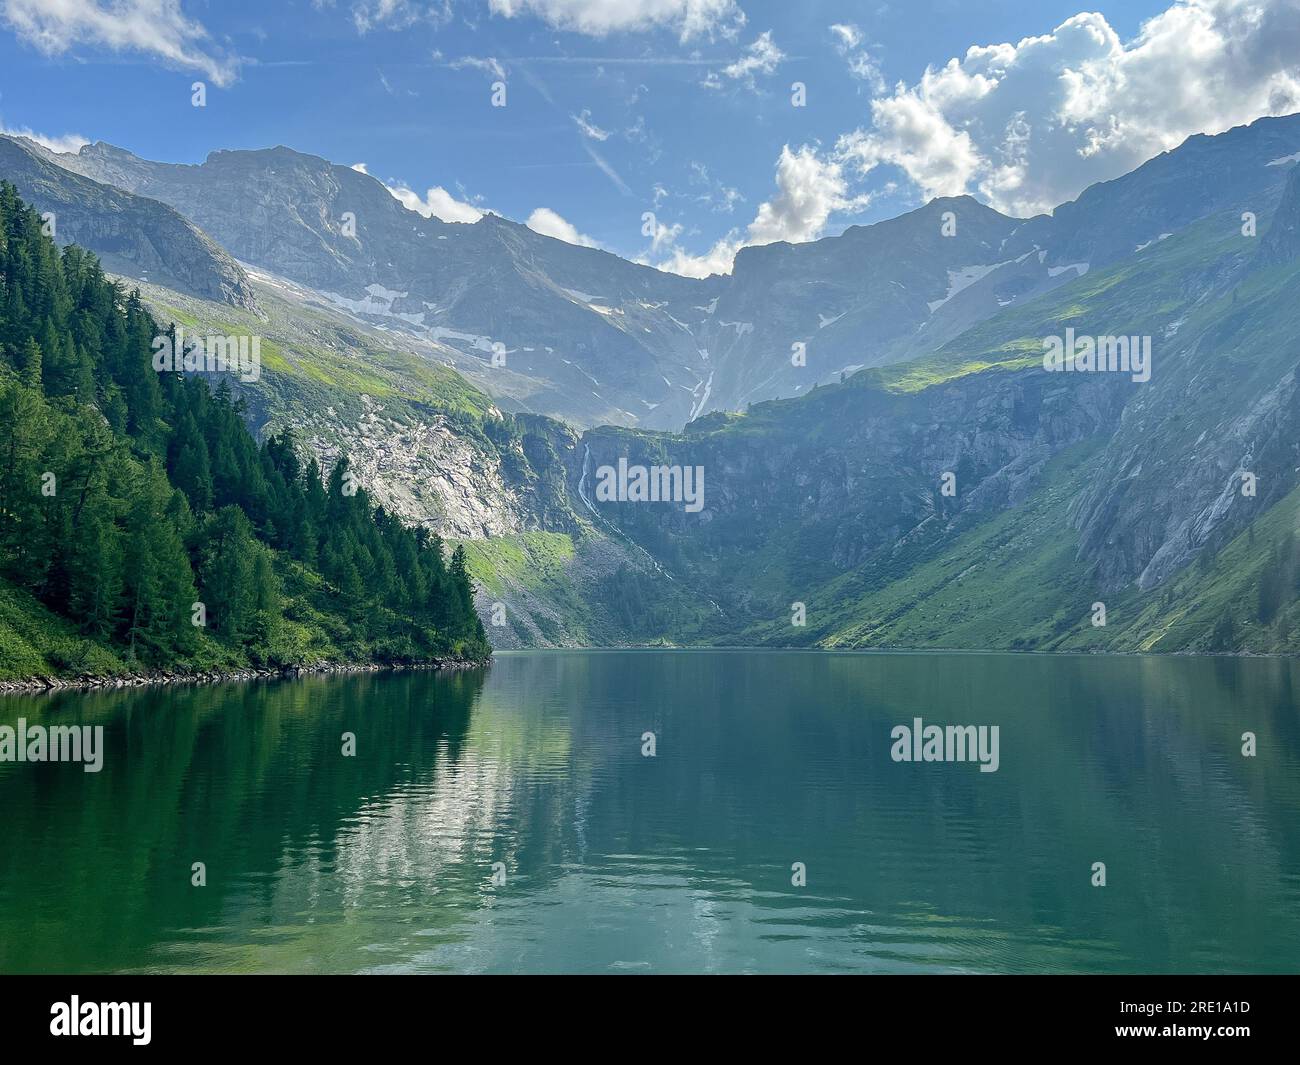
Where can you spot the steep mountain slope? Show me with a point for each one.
(1243, 169)
(431, 448)
(411, 427)
(143, 528)
(424, 442)
(1070, 489)
(131, 234)
(585, 335)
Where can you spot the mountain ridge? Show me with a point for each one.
(592, 338)
(131, 234)
(1094, 488)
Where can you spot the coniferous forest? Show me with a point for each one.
(142, 527)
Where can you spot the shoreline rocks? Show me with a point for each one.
(39, 685)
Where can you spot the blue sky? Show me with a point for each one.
(680, 107)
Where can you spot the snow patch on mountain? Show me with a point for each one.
(962, 279)
(474, 340)
(699, 407)
(1081, 268)
(379, 300)
(1154, 240)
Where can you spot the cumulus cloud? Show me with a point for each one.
(67, 143)
(156, 27)
(549, 224)
(1030, 125)
(717, 260)
(598, 18)
(437, 202)
(360, 168)
(809, 189)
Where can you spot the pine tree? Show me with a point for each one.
(158, 495)
(31, 366)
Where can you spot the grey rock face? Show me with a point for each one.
(132, 235)
(1282, 241)
(584, 335)
(591, 338)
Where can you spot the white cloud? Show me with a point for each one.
(862, 64)
(437, 202)
(398, 14)
(157, 27)
(64, 144)
(360, 168)
(809, 189)
(549, 224)
(762, 56)
(597, 18)
(487, 64)
(715, 194)
(717, 260)
(1032, 124)
(846, 35)
(917, 138)
(589, 128)
(602, 163)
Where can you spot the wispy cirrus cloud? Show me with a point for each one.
(488, 64)
(761, 57)
(607, 169)
(589, 129)
(599, 18)
(850, 43)
(158, 28)
(370, 15)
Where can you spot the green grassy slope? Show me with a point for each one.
(314, 359)
(1017, 578)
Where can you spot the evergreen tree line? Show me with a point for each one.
(139, 506)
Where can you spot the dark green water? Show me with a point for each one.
(616, 862)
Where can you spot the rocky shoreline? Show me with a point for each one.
(37, 685)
